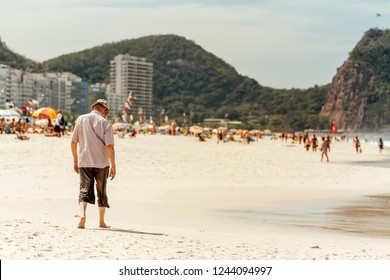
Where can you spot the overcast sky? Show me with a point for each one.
(282, 44)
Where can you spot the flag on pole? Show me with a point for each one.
(333, 128)
(129, 101)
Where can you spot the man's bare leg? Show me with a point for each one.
(83, 206)
(102, 213)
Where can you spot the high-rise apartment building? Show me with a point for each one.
(5, 78)
(131, 74)
(63, 91)
(16, 86)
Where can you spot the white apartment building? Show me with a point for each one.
(15, 86)
(115, 102)
(63, 91)
(21, 87)
(131, 74)
(43, 88)
(4, 84)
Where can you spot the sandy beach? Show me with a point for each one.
(177, 198)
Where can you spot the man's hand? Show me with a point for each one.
(111, 155)
(73, 146)
(112, 172)
(76, 167)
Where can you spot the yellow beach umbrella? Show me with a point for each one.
(45, 112)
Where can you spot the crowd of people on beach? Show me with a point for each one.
(312, 142)
(225, 135)
(58, 127)
(29, 125)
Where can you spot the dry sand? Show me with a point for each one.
(177, 198)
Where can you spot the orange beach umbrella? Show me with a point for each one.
(45, 112)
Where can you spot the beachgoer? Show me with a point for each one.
(329, 141)
(2, 128)
(57, 124)
(7, 127)
(307, 143)
(219, 136)
(18, 126)
(63, 125)
(12, 125)
(50, 126)
(314, 142)
(248, 137)
(324, 148)
(356, 143)
(95, 137)
(21, 136)
(380, 144)
(26, 125)
(202, 137)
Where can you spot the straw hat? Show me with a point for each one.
(102, 102)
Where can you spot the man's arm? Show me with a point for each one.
(111, 155)
(73, 146)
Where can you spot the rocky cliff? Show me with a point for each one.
(358, 98)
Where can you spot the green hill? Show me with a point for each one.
(359, 96)
(14, 60)
(189, 79)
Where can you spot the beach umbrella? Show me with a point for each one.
(196, 129)
(267, 132)
(9, 113)
(45, 112)
(42, 122)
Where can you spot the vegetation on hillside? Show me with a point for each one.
(188, 79)
(16, 61)
(371, 57)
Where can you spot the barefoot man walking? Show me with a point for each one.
(92, 159)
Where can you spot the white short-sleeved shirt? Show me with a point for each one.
(93, 133)
(58, 119)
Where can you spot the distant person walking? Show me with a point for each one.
(325, 148)
(356, 143)
(95, 137)
(380, 144)
(314, 142)
(219, 135)
(307, 143)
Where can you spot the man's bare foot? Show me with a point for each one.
(82, 222)
(104, 226)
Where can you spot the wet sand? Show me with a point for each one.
(366, 216)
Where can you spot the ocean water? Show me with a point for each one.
(368, 215)
(371, 137)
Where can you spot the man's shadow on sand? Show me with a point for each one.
(131, 231)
